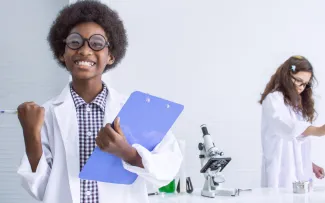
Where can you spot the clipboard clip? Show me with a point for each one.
(148, 100)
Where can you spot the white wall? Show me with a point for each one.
(28, 73)
(229, 49)
(215, 57)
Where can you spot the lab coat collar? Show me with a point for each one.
(114, 102)
(63, 96)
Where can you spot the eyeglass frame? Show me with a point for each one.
(305, 85)
(107, 44)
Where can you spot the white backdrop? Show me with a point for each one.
(28, 73)
(215, 57)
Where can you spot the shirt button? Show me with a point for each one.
(88, 108)
(88, 193)
(89, 133)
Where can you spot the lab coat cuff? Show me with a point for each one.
(299, 128)
(146, 160)
(30, 177)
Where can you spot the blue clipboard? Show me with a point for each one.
(145, 120)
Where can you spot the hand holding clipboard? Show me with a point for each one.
(144, 120)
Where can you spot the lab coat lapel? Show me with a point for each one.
(297, 151)
(65, 114)
(114, 104)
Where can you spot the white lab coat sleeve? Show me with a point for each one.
(281, 120)
(162, 164)
(35, 182)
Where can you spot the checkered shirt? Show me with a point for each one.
(90, 119)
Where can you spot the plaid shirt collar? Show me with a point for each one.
(100, 99)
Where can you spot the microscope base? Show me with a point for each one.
(219, 192)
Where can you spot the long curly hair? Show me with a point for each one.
(282, 81)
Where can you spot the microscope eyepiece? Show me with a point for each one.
(204, 130)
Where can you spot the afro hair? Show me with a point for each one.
(88, 11)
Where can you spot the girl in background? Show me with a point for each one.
(287, 116)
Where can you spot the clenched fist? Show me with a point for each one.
(31, 118)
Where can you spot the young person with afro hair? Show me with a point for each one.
(87, 39)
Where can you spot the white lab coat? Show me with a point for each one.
(286, 152)
(56, 178)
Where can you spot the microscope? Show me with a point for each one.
(212, 163)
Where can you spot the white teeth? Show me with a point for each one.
(84, 63)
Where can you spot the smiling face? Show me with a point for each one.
(86, 63)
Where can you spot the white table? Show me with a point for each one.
(255, 196)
